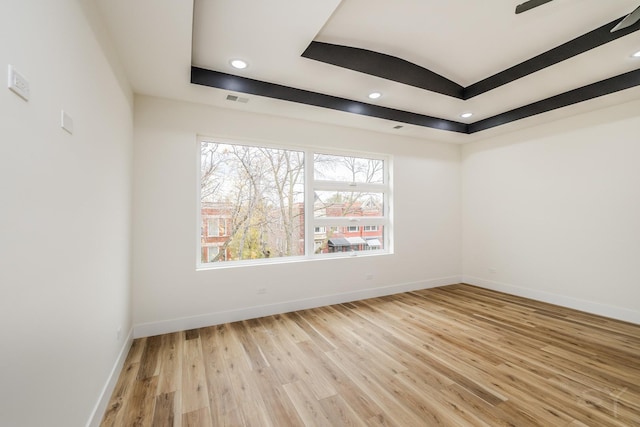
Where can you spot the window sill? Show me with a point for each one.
(290, 260)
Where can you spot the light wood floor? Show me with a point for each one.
(456, 355)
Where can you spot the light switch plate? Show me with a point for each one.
(18, 84)
(66, 122)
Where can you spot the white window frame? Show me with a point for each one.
(310, 186)
(385, 188)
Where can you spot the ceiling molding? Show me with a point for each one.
(584, 43)
(584, 93)
(230, 82)
(384, 66)
(399, 70)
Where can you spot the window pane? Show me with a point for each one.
(347, 204)
(214, 252)
(346, 239)
(213, 229)
(348, 169)
(252, 202)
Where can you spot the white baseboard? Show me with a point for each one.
(107, 390)
(209, 319)
(600, 309)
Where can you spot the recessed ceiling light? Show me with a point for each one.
(375, 95)
(636, 55)
(466, 115)
(238, 63)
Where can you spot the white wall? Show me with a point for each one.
(555, 211)
(65, 209)
(169, 293)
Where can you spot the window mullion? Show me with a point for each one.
(350, 187)
(337, 221)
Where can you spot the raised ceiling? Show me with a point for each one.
(308, 59)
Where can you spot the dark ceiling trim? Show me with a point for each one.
(584, 43)
(398, 70)
(528, 5)
(384, 66)
(585, 93)
(230, 82)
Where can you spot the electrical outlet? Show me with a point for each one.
(369, 277)
(262, 291)
(18, 84)
(492, 271)
(119, 333)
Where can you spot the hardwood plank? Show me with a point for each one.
(251, 408)
(121, 394)
(268, 383)
(347, 389)
(307, 406)
(340, 413)
(455, 355)
(251, 349)
(195, 394)
(120, 397)
(285, 356)
(164, 413)
(294, 332)
(373, 386)
(313, 334)
(215, 344)
(149, 359)
(481, 411)
(170, 359)
(198, 418)
(142, 404)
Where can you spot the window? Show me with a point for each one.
(259, 202)
(216, 227)
(213, 252)
(351, 199)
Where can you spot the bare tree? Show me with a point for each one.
(210, 165)
(287, 168)
(259, 188)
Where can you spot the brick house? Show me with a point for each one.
(214, 231)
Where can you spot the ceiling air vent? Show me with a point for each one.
(237, 98)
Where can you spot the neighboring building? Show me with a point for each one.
(217, 228)
(349, 237)
(215, 231)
